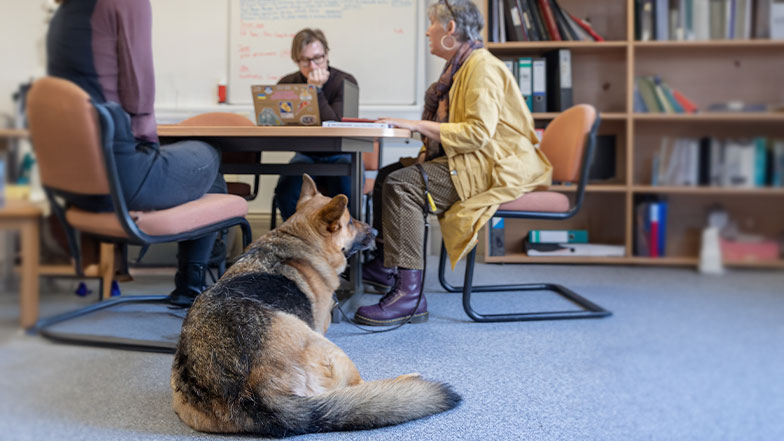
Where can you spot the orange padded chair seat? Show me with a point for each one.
(541, 201)
(208, 210)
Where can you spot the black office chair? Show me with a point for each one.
(568, 142)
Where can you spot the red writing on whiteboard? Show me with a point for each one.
(244, 25)
(244, 68)
(265, 54)
(250, 77)
(398, 31)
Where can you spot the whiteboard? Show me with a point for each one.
(374, 40)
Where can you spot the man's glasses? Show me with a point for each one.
(451, 11)
(318, 59)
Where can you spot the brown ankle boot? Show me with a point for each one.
(397, 306)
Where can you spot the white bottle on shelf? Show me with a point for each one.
(710, 252)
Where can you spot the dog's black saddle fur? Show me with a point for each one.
(273, 290)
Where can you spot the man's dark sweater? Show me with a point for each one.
(330, 97)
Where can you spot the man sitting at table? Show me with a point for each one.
(310, 52)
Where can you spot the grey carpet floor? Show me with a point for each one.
(684, 357)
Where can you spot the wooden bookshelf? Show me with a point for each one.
(603, 74)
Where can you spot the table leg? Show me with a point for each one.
(28, 304)
(106, 269)
(348, 304)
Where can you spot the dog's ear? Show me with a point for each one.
(331, 213)
(308, 189)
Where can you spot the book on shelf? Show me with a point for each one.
(537, 24)
(558, 236)
(734, 163)
(690, 20)
(661, 20)
(529, 22)
(639, 105)
(776, 19)
(544, 82)
(497, 246)
(653, 95)
(573, 249)
(587, 28)
(643, 20)
(740, 163)
(514, 24)
(525, 79)
(549, 20)
(650, 228)
(667, 106)
(558, 65)
(539, 85)
(685, 103)
(511, 64)
(777, 163)
(647, 90)
(492, 20)
(501, 24)
(536, 20)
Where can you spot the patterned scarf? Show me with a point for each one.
(437, 95)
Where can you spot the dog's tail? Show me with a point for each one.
(368, 405)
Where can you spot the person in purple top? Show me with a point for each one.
(105, 47)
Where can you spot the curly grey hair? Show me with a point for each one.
(468, 20)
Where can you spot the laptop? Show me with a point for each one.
(286, 105)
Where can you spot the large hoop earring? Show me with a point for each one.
(452, 42)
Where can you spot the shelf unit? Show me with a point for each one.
(707, 72)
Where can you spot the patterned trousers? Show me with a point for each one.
(399, 198)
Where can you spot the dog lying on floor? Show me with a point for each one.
(252, 356)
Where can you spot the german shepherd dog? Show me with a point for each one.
(252, 356)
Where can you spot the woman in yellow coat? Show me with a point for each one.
(478, 153)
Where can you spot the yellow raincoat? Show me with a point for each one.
(489, 147)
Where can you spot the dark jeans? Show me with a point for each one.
(183, 171)
(289, 186)
(164, 177)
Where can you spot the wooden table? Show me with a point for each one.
(354, 141)
(25, 217)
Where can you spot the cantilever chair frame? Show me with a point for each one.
(135, 236)
(589, 309)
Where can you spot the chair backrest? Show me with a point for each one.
(564, 141)
(224, 119)
(66, 137)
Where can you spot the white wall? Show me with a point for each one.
(191, 57)
(22, 50)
